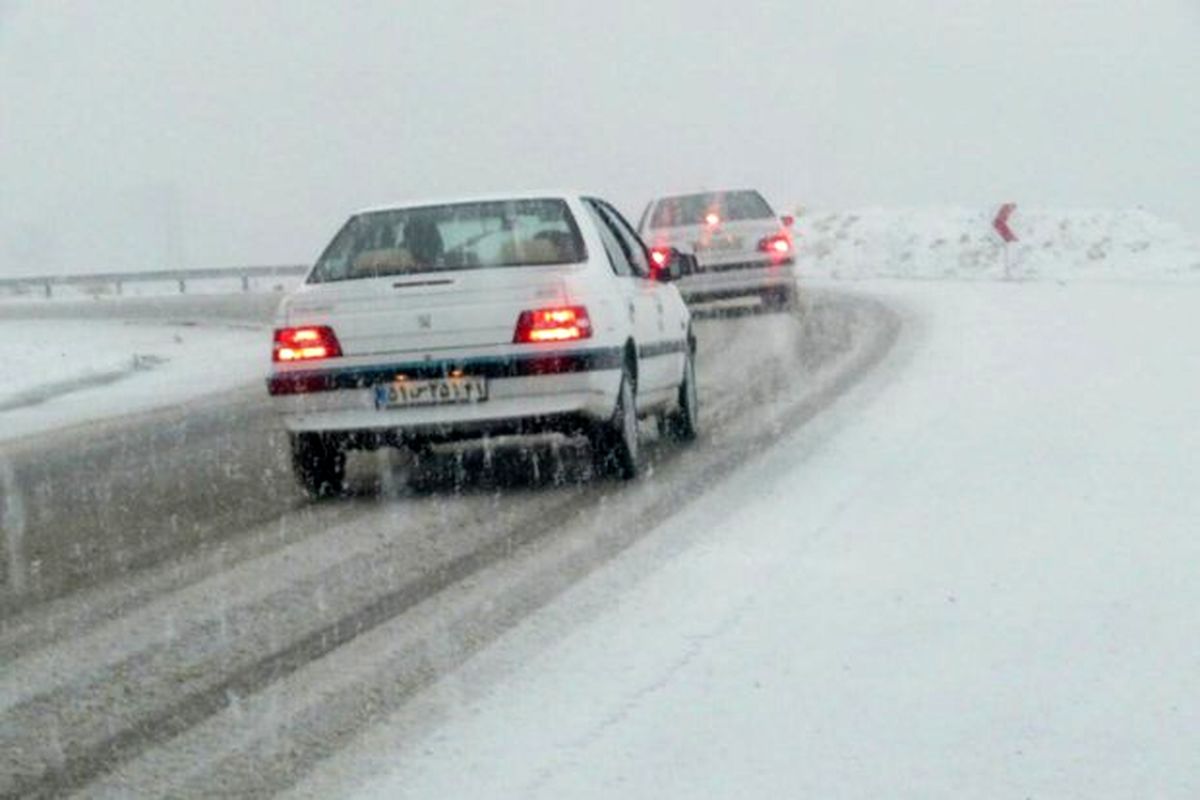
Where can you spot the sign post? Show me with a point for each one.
(1000, 223)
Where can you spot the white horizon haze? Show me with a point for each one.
(149, 135)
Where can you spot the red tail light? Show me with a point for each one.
(778, 247)
(712, 219)
(553, 325)
(306, 344)
(659, 256)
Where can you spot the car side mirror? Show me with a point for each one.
(788, 220)
(671, 264)
(686, 263)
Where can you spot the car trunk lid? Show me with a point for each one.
(428, 312)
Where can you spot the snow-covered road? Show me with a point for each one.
(178, 623)
(972, 575)
(977, 575)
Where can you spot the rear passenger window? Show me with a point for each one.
(612, 246)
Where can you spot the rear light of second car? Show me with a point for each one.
(557, 324)
(310, 343)
(778, 247)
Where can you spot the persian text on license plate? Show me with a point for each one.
(434, 392)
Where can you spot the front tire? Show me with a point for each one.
(615, 447)
(319, 463)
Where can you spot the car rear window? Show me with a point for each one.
(673, 212)
(459, 236)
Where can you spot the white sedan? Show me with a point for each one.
(742, 248)
(435, 322)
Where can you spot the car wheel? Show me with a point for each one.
(615, 450)
(683, 424)
(319, 463)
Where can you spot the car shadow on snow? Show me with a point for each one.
(514, 464)
(531, 464)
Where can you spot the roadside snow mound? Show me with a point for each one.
(67, 372)
(960, 243)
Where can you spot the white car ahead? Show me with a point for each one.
(437, 322)
(742, 248)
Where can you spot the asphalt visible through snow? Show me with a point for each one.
(179, 621)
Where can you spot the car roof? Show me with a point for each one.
(718, 190)
(552, 194)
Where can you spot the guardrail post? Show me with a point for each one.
(182, 286)
(48, 290)
(245, 283)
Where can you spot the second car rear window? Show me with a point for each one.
(673, 212)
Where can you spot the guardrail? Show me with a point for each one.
(181, 276)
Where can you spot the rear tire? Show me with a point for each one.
(319, 463)
(683, 424)
(783, 298)
(615, 449)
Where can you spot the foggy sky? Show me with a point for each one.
(139, 135)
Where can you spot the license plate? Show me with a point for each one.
(434, 392)
(722, 244)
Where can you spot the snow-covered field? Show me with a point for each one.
(975, 576)
(1053, 244)
(65, 372)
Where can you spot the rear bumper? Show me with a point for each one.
(330, 379)
(736, 280)
(526, 394)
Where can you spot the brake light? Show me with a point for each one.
(660, 256)
(778, 246)
(553, 325)
(306, 344)
(713, 219)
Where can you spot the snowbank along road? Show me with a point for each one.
(179, 622)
